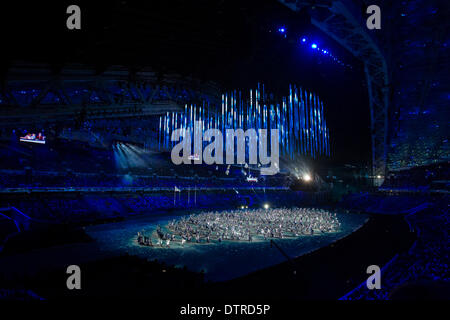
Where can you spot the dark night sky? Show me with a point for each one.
(226, 41)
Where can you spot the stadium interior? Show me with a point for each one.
(87, 124)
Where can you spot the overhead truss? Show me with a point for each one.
(342, 22)
(30, 95)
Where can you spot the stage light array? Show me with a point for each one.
(299, 117)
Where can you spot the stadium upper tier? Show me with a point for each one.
(419, 113)
(37, 94)
(436, 176)
(69, 164)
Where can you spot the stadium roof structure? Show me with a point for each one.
(404, 68)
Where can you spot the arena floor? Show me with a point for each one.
(220, 261)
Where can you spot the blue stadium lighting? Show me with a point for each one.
(299, 117)
(304, 40)
(128, 156)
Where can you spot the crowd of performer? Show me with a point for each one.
(244, 225)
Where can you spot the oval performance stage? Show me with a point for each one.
(234, 254)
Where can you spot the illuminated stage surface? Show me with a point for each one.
(220, 261)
